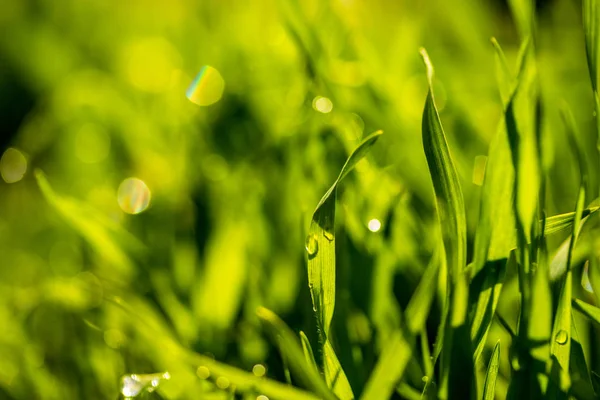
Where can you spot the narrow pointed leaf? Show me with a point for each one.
(559, 222)
(581, 384)
(308, 352)
(492, 373)
(591, 30)
(593, 313)
(418, 308)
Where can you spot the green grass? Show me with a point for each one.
(287, 253)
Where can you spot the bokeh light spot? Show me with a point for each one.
(149, 64)
(133, 196)
(13, 165)
(207, 87)
(374, 225)
(322, 104)
(203, 372)
(259, 370)
(222, 382)
(92, 144)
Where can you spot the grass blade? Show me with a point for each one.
(389, 369)
(492, 373)
(591, 30)
(561, 333)
(300, 368)
(418, 308)
(100, 233)
(581, 381)
(487, 286)
(559, 222)
(593, 313)
(308, 352)
(320, 246)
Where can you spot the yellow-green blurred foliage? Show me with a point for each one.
(94, 285)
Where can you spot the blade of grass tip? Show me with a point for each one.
(78, 216)
(488, 294)
(451, 214)
(300, 369)
(594, 276)
(320, 247)
(581, 381)
(593, 313)
(503, 74)
(591, 30)
(491, 375)
(308, 352)
(560, 345)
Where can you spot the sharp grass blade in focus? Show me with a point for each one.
(489, 386)
(451, 215)
(308, 352)
(320, 248)
(556, 223)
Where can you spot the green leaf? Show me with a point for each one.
(300, 368)
(320, 246)
(492, 373)
(487, 286)
(523, 13)
(389, 369)
(503, 74)
(560, 345)
(574, 139)
(591, 30)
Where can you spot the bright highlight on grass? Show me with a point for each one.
(207, 87)
(133, 196)
(374, 225)
(13, 165)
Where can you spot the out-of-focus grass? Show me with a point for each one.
(100, 279)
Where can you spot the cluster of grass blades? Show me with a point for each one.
(546, 357)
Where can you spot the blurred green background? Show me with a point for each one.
(94, 92)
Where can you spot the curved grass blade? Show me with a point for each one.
(299, 367)
(593, 313)
(99, 232)
(560, 346)
(320, 246)
(492, 373)
(389, 369)
(451, 214)
(591, 30)
(308, 352)
(419, 305)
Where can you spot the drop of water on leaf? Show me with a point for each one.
(203, 372)
(311, 245)
(328, 234)
(562, 337)
(134, 384)
(425, 379)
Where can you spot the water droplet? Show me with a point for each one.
(259, 370)
(222, 382)
(322, 104)
(13, 165)
(134, 384)
(203, 372)
(425, 379)
(374, 225)
(262, 397)
(311, 245)
(207, 87)
(562, 337)
(133, 196)
(328, 234)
